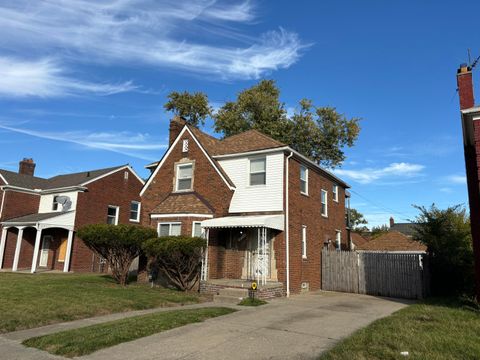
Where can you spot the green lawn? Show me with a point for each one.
(86, 340)
(436, 329)
(28, 301)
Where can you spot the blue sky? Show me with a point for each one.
(83, 86)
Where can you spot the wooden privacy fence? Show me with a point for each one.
(376, 273)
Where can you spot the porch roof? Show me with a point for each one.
(268, 221)
(44, 220)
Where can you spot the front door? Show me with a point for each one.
(258, 256)
(47, 239)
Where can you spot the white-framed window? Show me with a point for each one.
(169, 229)
(324, 201)
(184, 177)
(112, 215)
(55, 203)
(135, 211)
(335, 192)
(303, 180)
(258, 171)
(338, 240)
(185, 145)
(304, 242)
(125, 175)
(197, 229)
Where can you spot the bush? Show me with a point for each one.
(179, 258)
(447, 235)
(118, 244)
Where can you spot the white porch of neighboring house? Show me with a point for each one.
(241, 249)
(37, 241)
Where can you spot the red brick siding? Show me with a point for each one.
(306, 210)
(92, 209)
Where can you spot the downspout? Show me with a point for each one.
(287, 225)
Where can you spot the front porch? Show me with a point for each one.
(242, 249)
(37, 242)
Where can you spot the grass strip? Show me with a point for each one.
(252, 302)
(29, 301)
(437, 329)
(88, 339)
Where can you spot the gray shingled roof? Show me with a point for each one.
(59, 181)
(404, 228)
(35, 217)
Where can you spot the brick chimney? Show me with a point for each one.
(176, 125)
(392, 221)
(465, 87)
(26, 167)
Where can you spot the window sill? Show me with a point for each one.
(304, 194)
(134, 220)
(304, 257)
(61, 261)
(325, 216)
(183, 191)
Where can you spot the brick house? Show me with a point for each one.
(393, 242)
(39, 217)
(266, 210)
(470, 115)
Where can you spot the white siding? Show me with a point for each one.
(66, 219)
(46, 201)
(248, 198)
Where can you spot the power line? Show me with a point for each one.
(404, 216)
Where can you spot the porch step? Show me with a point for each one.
(230, 295)
(235, 292)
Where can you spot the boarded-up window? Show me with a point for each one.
(62, 251)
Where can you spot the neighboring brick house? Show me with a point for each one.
(471, 139)
(393, 241)
(266, 210)
(407, 229)
(39, 217)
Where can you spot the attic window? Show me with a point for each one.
(185, 145)
(184, 177)
(125, 175)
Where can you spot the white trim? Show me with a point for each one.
(338, 233)
(256, 158)
(20, 189)
(287, 226)
(304, 241)
(4, 180)
(138, 211)
(169, 227)
(3, 239)
(63, 189)
(68, 254)
(159, 216)
(36, 249)
(117, 213)
(193, 228)
(113, 172)
(170, 149)
(1, 206)
(18, 246)
(322, 191)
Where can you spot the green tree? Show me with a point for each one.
(320, 133)
(119, 245)
(447, 235)
(193, 107)
(357, 220)
(179, 258)
(379, 230)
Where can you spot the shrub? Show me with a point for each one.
(179, 258)
(118, 244)
(447, 235)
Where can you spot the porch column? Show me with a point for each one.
(204, 271)
(18, 246)
(36, 249)
(68, 255)
(3, 241)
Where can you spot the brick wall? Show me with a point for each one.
(92, 208)
(306, 210)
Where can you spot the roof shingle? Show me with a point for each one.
(392, 241)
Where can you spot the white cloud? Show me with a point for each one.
(456, 179)
(46, 78)
(370, 175)
(135, 145)
(186, 35)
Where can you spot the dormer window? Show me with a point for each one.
(184, 177)
(258, 171)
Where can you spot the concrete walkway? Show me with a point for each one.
(297, 328)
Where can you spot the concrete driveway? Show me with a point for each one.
(297, 328)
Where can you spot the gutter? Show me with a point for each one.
(287, 240)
